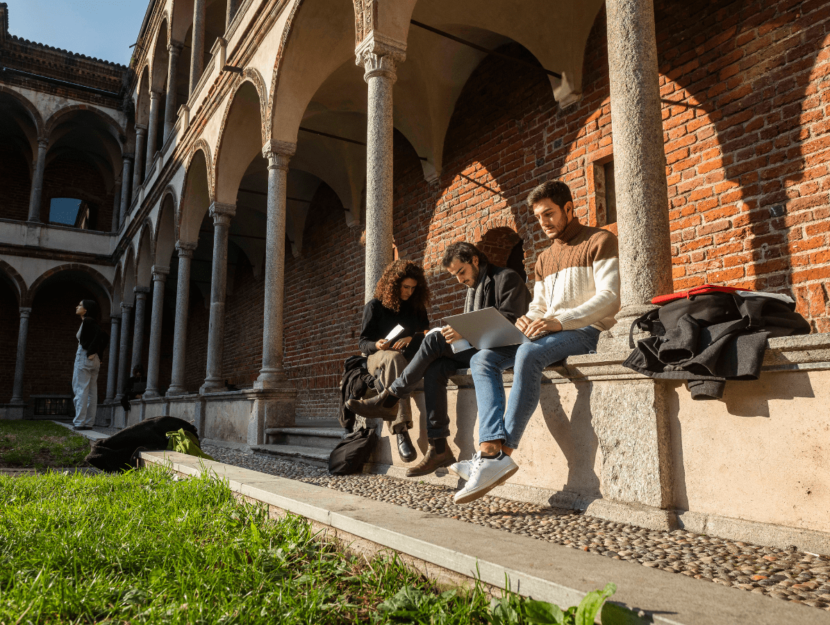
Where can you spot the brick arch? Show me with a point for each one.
(498, 243)
(62, 113)
(252, 76)
(15, 278)
(148, 231)
(37, 118)
(97, 278)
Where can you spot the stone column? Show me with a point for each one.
(112, 368)
(20, 363)
(138, 167)
(197, 50)
(37, 180)
(632, 417)
(152, 128)
(116, 204)
(141, 293)
(123, 350)
(182, 309)
(125, 188)
(272, 373)
(379, 59)
(222, 215)
(173, 51)
(639, 158)
(159, 278)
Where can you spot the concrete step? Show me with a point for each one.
(317, 422)
(322, 437)
(312, 455)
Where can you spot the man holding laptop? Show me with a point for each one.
(576, 295)
(439, 355)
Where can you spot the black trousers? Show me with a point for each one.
(434, 362)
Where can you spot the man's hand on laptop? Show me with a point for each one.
(532, 328)
(450, 335)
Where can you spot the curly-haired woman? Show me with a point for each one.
(401, 298)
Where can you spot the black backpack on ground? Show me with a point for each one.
(352, 452)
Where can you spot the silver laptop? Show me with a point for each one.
(487, 328)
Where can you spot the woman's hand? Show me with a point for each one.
(402, 344)
(383, 345)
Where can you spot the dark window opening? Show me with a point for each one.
(69, 212)
(516, 260)
(610, 194)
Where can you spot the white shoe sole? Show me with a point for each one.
(467, 497)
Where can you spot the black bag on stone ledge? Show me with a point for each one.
(116, 452)
(352, 452)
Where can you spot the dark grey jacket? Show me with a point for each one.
(505, 290)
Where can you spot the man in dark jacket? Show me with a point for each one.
(435, 361)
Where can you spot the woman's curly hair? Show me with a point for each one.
(388, 289)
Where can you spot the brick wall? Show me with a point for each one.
(15, 183)
(71, 177)
(10, 322)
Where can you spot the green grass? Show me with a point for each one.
(143, 547)
(40, 445)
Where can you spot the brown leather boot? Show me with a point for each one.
(432, 461)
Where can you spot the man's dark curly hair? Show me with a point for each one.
(388, 289)
(463, 251)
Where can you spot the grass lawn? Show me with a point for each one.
(144, 547)
(40, 445)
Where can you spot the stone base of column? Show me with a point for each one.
(633, 514)
(272, 409)
(13, 412)
(213, 385)
(631, 421)
(175, 391)
(151, 394)
(272, 379)
(616, 339)
(17, 401)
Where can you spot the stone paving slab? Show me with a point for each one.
(90, 434)
(541, 569)
(786, 574)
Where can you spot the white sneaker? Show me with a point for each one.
(485, 475)
(463, 468)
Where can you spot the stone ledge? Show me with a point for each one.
(535, 568)
(810, 352)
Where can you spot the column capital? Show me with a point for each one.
(140, 129)
(175, 48)
(379, 56)
(185, 249)
(156, 93)
(160, 273)
(126, 308)
(279, 148)
(115, 318)
(222, 213)
(25, 311)
(128, 157)
(141, 292)
(43, 142)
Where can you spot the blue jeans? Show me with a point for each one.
(528, 361)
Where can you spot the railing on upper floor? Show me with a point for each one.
(56, 237)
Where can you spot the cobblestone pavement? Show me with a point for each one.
(782, 573)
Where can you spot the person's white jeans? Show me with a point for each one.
(85, 387)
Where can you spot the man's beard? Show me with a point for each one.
(476, 272)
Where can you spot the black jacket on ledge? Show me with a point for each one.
(711, 338)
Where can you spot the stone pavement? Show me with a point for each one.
(784, 574)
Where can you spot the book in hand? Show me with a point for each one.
(487, 329)
(394, 333)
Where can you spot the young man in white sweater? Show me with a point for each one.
(576, 295)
